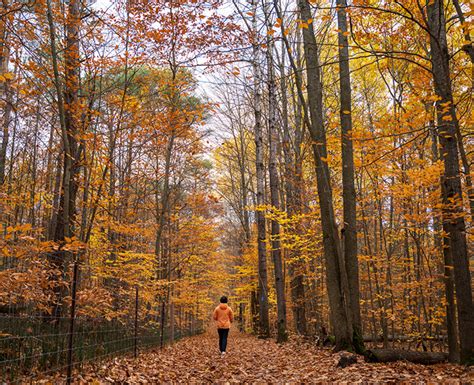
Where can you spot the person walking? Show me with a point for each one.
(224, 316)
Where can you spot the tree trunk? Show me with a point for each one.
(293, 181)
(274, 191)
(72, 113)
(335, 267)
(241, 317)
(69, 110)
(401, 338)
(469, 49)
(254, 312)
(162, 206)
(172, 322)
(244, 190)
(453, 218)
(467, 171)
(262, 289)
(5, 90)
(349, 231)
(390, 355)
(441, 243)
(468, 46)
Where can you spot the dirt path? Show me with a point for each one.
(250, 360)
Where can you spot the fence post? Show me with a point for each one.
(135, 347)
(71, 323)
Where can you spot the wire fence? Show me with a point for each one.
(38, 345)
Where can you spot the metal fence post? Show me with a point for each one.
(135, 347)
(71, 324)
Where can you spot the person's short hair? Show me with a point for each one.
(224, 299)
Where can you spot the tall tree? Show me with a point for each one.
(5, 89)
(262, 292)
(293, 185)
(453, 218)
(335, 266)
(275, 185)
(67, 96)
(443, 244)
(349, 231)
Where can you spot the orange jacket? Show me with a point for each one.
(223, 316)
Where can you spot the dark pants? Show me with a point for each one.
(223, 334)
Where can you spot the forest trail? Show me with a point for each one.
(253, 360)
(311, 160)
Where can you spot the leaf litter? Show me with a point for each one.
(250, 360)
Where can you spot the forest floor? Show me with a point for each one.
(252, 360)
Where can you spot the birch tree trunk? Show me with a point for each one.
(274, 189)
(262, 289)
(5, 89)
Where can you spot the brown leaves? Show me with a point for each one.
(251, 360)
